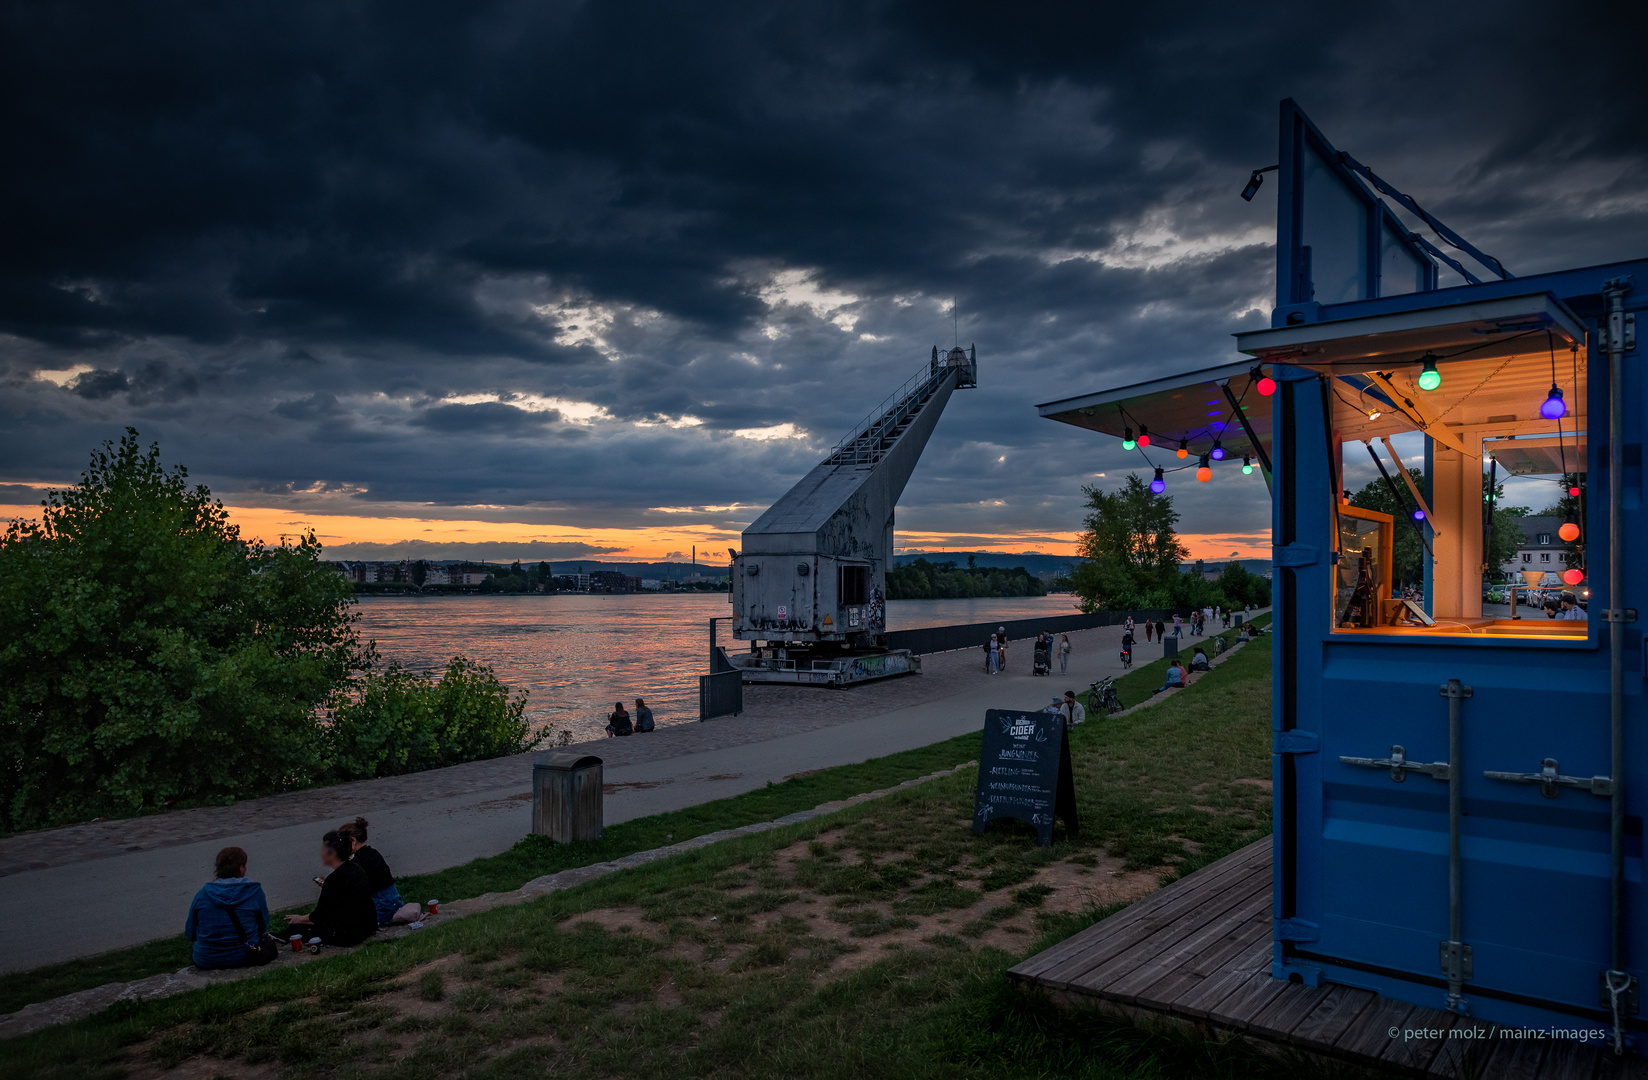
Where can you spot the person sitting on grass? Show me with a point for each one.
(1175, 677)
(344, 914)
(229, 918)
(386, 897)
(1198, 662)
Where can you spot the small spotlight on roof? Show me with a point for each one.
(1256, 181)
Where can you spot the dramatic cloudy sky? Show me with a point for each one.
(564, 278)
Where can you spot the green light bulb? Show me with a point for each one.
(1430, 378)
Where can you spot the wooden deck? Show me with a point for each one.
(1199, 951)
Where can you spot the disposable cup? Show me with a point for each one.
(434, 907)
(297, 942)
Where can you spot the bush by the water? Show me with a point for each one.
(402, 721)
(150, 655)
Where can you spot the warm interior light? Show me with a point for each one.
(1569, 531)
(1144, 435)
(1573, 576)
(1128, 442)
(1554, 407)
(1218, 451)
(1158, 485)
(1203, 473)
(1247, 466)
(1430, 378)
(1184, 449)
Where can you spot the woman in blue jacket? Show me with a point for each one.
(229, 917)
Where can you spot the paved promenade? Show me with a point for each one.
(86, 889)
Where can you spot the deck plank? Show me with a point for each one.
(1285, 1011)
(1167, 991)
(1332, 1017)
(1417, 1054)
(1569, 1061)
(1370, 1037)
(1248, 999)
(1502, 1059)
(1104, 939)
(1148, 957)
(1254, 963)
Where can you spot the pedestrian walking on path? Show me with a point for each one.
(1064, 652)
(1149, 631)
(1178, 627)
(1161, 630)
(229, 918)
(1001, 645)
(618, 722)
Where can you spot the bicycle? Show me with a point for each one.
(1127, 658)
(1102, 695)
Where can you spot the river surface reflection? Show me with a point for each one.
(577, 654)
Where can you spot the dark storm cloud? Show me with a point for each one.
(282, 239)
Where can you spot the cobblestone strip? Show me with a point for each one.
(84, 1003)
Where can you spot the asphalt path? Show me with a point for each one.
(89, 907)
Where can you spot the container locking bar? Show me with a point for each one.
(1400, 766)
(1551, 781)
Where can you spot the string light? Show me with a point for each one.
(1184, 449)
(1573, 492)
(1158, 485)
(1573, 576)
(1264, 384)
(1144, 435)
(1128, 441)
(1218, 451)
(1569, 530)
(1203, 473)
(1247, 466)
(1430, 378)
(1418, 514)
(1554, 408)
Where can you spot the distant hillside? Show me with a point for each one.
(993, 560)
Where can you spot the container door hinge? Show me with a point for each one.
(1400, 766)
(1628, 332)
(1297, 930)
(1620, 615)
(1294, 742)
(1551, 781)
(1293, 555)
(1456, 960)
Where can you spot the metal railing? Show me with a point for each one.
(932, 639)
(720, 694)
(864, 445)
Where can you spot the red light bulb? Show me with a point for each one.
(1574, 576)
(1573, 493)
(1267, 386)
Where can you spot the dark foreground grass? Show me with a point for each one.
(725, 963)
(532, 857)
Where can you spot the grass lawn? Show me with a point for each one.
(869, 943)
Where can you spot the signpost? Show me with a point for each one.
(1024, 772)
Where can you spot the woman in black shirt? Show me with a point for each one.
(386, 898)
(344, 915)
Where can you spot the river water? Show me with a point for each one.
(577, 654)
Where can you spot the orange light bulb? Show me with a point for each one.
(1569, 531)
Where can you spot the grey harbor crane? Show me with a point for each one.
(809, 585)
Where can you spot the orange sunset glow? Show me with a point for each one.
(633, 544)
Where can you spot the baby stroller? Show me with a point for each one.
(1044, 658)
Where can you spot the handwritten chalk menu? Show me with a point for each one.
(1024, 772)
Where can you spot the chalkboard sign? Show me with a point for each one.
(1024, 772)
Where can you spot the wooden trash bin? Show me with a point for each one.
(567, 796)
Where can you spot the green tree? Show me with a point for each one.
(149, 654)
(420, 571)
(1131, 553)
